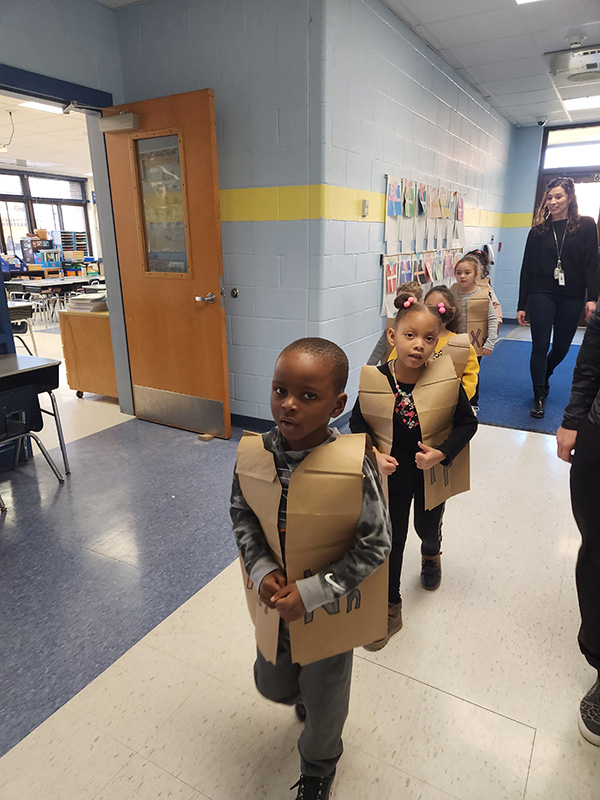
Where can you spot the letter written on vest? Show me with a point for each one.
(323, 508)
(435, 396)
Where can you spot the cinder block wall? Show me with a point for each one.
(76, 42)
(255, 55)
(519, 201)
(392, 106)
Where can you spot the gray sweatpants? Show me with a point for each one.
(323, 687)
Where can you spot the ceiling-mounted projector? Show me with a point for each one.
(580, 65)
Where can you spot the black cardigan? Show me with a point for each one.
(579, 262)
(585, 392)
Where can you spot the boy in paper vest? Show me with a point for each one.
(313, 533)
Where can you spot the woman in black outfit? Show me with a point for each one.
(558, 275)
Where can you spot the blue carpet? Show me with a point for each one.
(87, 568)
(505, 394)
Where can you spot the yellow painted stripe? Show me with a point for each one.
(322, 201)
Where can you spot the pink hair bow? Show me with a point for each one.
(408, 303)
(441, 308)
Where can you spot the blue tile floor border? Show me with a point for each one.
(90, 567)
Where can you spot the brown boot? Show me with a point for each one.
(394, 625)
(431, 571)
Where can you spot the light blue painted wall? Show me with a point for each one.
(71, 41)
(255, 56)
(521, 184)
(391, 106)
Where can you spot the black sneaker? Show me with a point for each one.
(431, 571)
(589, 715)
(313, 788)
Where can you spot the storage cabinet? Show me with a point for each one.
(88, 354)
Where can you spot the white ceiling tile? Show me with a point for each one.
(433, 10)
(494, 50)
(573, 14)
(527, 98)
(525, 83)
(505, 70)
(476, 28)
(548, 41)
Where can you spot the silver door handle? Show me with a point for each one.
(210, 298)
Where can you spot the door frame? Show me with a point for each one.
(41, 87)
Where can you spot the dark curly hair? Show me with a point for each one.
(453, 323)
(327, 351)
(542, 218)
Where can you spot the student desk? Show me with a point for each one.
(17, 370)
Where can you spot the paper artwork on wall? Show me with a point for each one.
(424, 233)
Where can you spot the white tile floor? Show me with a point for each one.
(475, 699)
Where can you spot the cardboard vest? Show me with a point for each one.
(458, 347)
(435, 396)
(477, 315)
(324, 503)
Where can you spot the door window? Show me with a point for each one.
(162, 203)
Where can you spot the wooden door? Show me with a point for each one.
(164, 187)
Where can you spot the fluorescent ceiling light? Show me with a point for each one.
(42, 107)
(520, 2)
(581, 103)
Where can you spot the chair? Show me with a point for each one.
(20, 416)
(21, 315)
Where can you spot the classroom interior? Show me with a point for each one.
(126, 649)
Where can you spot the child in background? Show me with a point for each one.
(456, 344)
(484, 261)
(308, 389)
(381, 349)
(414, 334)
(478, 316)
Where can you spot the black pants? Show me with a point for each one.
(404, 486)
(324, 688)
(547, 311)
(585, 482)
(475, 399)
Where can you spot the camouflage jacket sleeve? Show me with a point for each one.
(251, 541)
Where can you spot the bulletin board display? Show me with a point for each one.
(424, 235)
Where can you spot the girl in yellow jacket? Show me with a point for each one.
(455, 344)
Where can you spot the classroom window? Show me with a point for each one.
(10, 184)
(47, 216)
(55, 189)
(29, 201)
(14, 225)
(73, 218)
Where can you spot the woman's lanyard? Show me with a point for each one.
(559, 273)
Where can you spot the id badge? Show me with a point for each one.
(561, 278)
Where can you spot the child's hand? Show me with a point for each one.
(385, 464)
(486, 351)
(429, 457)
(270, 584)
(288, 603)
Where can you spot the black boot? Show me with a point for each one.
(539, 401)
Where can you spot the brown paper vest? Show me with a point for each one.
(457, 348)
(477, 315)
(435, 395)
(323, 507)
